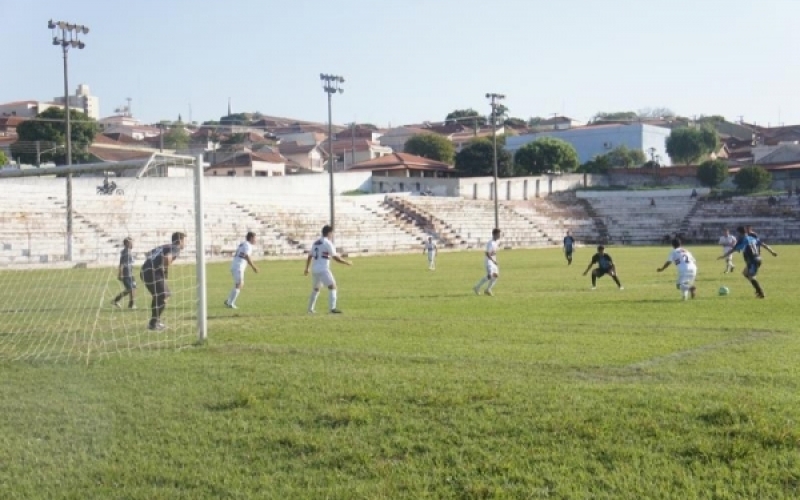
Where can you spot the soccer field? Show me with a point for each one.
(423, 390)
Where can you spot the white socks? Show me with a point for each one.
(481, 283)
(491, 284)
(332, 299)
(312, 301)
(233, 296)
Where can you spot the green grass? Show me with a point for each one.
(423, 390)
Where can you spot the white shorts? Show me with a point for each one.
(238, 276)
(686, 277)
(492, 268)
(431, 256)
(324, 278)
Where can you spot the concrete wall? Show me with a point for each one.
(481, 188)
(637, 177)
(646, 194)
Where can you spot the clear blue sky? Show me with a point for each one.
(412, 60)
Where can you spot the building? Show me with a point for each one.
(307, 156)
(556, 123)
(351, 152)
(249, 164)
(401, 172)
(28, 109)
(395, 138)
(594, 140)
(83, 101)
(128, 125)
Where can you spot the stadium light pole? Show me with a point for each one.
(495, 98)
(331, 84)
(67, 36)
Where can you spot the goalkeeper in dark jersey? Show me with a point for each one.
(155, 272)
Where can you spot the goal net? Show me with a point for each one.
(63, 293)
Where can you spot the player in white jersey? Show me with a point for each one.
(322, 251)
(431, 249)
(241, 259)
(492, 270)
(728, 241)
(687, 268)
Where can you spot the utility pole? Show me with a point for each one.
(67, 38)
(331, 84)
(353, 143)
(495, 98)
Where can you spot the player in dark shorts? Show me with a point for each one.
(125, 274)
(569, 247)
(605, 265)
(750, 245)
(155, 272)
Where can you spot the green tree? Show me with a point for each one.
(231, 140)
(431, 146)
(536, 120)
(712, 173)
(466, 117)
(49, 127)
(623, 157)
(3, 158)
(616, 115)
(600, 164)
(752, 179)
(546, 154)
(515, 123)
(686, 145)
(176, 137)
(476, 158)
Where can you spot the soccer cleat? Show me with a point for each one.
(593, 288)
(621, 288)
(132, 306)
(156, 326)
(310, 311)
(116, 304)
(488, 293)
(476, 290)
(230, 306)
(336, 311)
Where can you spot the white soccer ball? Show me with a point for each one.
(724, 290)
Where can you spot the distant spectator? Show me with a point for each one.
(694, 193)
(772, 201)
(797, 191)
(652, 202)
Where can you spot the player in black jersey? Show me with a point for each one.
(605, 265)
(569, 247)
(155, 272)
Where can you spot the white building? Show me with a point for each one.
(28, 109)
(83, 101)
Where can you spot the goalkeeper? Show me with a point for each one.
(155, 272)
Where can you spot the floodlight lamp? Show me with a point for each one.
(51, 25)
(322, 76)
(341, 91)
(85, 30)
(55, 41)
(81, 45)
(341, 79)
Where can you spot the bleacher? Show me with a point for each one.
(778, 222)
(640, 218)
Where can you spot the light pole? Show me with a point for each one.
(494, 103)
(67, 38)
(331, 84)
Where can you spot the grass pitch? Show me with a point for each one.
(424, 390)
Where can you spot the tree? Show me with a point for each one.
(752, 179)
(687, 145)
(712, 173)
(466, 116)
(3, 158)
(600, 164)
(535, 121)
(231, 140)
(431, 146)
(476, 158)
(546, 154)
(616, 115)
(176, 137)
(516, 123)
(49, 127)
(623, 157)
(658, 112)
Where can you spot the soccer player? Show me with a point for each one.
(687, 268)
(322, 251)
(431, 249)
(240, 261)
(569, 247)
(605, 265)
(750, 246)
(155, 272)
(125, 274)
(728, 241)
(492, 269)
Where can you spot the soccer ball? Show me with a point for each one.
(723, 290)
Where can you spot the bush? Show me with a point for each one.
(712, 173)
(751, 179)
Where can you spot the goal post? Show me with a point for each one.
(53, 307)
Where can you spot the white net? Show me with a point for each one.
(53, 308)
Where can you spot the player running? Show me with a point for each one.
(569, 247)
(322, 251)
(492, 269)
(728, 241)
(241, 260)
(125, 275)
(155, 272)
(431, 249)
(605, 265)
(687, 268)
(750, 246)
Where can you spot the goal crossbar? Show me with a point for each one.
(144, 165)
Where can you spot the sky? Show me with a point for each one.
(413, 60)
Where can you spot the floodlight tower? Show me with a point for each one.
(495, 98)
(331, 84)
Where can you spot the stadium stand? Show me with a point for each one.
(778, 221)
